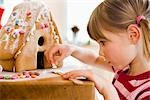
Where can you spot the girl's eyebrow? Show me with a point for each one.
(99, 40)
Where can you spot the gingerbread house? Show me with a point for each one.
(30, 30)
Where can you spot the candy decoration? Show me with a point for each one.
(25, 73)
(21, 32)
(20, 76)
(42, 18)
(42, 26)
(33, 76)
(1, 77)
(7, 77)
(15, 34)
(46, 25)
(28, 39)
(5, 37)
(27, 76)
(8, 29)
(36, 73)
(14, 14)
(13, 77)
(29, 14)
(17, 22)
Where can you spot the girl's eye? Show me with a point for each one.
(102, 43)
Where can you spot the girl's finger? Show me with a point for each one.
(52, 53)
(73, 74)
(46, 53)
(67, 75)
(61, 57)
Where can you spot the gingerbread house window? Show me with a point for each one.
(41, 41)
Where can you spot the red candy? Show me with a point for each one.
(1, 77)
(46, 25)
(29, 14)
(21, 32)
(33, 76)
(42, 26)
(14, 77)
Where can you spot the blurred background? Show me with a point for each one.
(66, 13)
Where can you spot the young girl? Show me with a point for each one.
(121, 27)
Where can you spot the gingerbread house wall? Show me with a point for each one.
(27, 60)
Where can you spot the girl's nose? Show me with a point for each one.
(101, 51)
(101, 54)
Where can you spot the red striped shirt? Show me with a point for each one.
(132, 87)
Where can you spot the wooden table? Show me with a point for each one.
(52, 88)
(46, 89)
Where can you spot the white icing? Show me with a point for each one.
(54, 66)
(19, 52)
(28, 39)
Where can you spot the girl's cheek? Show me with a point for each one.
(109, 53)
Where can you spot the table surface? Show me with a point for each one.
(47, 86)
(54, 88)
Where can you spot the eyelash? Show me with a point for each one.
(102, 43)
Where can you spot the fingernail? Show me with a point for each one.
(56, 62)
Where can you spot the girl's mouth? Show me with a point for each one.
(110, 63)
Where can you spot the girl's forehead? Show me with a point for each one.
(106, 34)
(111, 35)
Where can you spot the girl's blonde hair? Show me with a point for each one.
(114, 15)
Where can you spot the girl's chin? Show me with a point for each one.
(116, 65)
(121, 67)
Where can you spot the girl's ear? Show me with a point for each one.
(133, 33)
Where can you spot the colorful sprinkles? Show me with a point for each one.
(22, 75)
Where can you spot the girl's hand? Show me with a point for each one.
(78, 73)
(85, 73)
(57, 53)
(103, 86)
